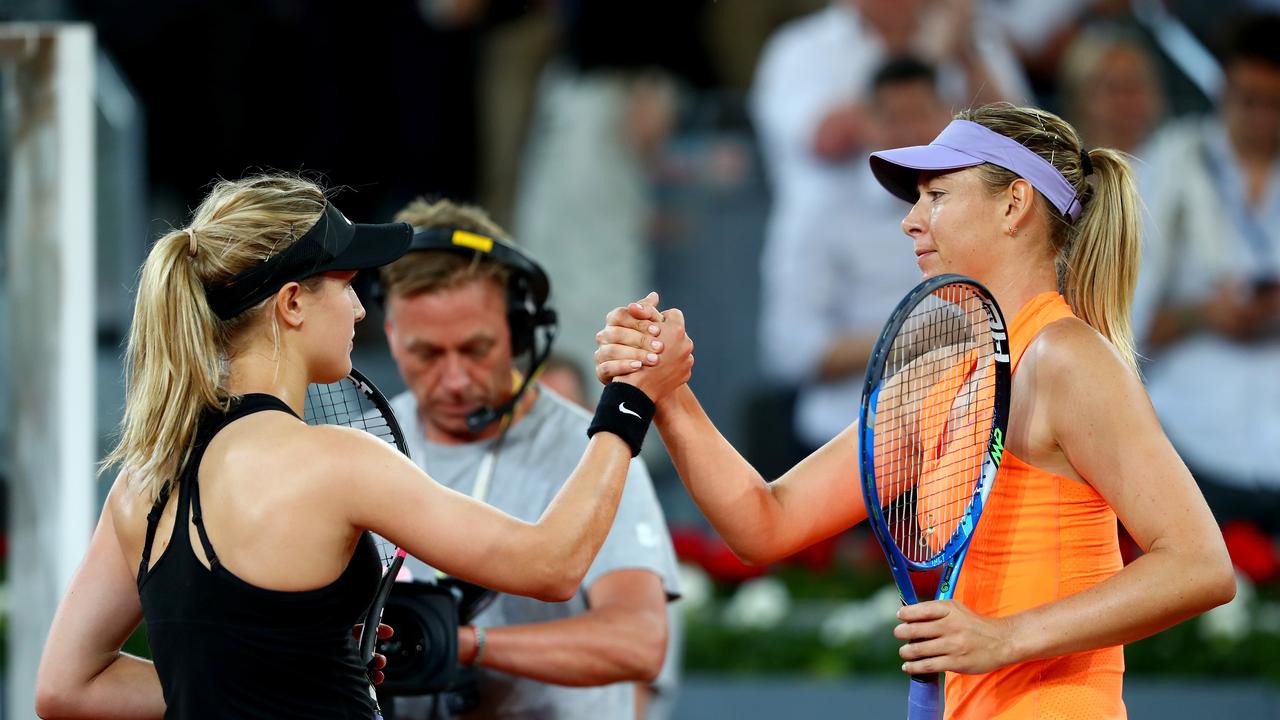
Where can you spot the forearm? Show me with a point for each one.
(1171, 324)
(726, 488)
(573, 527)
(127, 689)
(1156, 591)
(595, 648)
(845, 357)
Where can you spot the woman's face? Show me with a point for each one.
(954, 223)
(338, 312)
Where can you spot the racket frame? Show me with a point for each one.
(925, 689)
(373, 615)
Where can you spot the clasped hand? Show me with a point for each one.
(644, 347)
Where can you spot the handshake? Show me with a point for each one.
(644, 347)
(422, 655)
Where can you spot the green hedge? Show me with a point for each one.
(797, 647)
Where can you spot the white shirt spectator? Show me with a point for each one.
(831, 277)
(835, 259)
(1219, 399)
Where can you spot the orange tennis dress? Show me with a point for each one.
(1041, 537)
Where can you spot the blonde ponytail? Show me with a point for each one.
(1097, 255)
(178, 348)
(1102, 260)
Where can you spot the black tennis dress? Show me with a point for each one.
(227, 649)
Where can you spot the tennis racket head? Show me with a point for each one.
(356, 402)
(933, 418)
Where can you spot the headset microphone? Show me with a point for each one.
(480, 419)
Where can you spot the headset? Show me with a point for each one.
(527, 291)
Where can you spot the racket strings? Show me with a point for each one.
(346, 403)
(932, 421)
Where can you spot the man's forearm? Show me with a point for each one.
(598, 647)
(846, 356)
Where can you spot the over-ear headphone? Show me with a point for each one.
(527, 291)
(527, 288)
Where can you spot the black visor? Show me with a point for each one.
(333, 243)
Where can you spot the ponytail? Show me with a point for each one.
(1101, 262)
(173, 367)
(178, 351)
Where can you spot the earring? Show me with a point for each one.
(1012, 231)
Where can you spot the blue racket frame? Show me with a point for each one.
(924, 700)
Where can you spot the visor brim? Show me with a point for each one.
(372, 246)
(898, 170)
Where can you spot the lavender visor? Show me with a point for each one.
(965, 144)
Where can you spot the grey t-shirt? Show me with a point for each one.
(535, 459)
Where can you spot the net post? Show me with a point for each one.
(51, 443)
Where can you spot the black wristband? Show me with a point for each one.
(625, 411)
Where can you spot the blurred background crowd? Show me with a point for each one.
(716, 151)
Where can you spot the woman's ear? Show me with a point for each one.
(1019, 197)
(289, 305)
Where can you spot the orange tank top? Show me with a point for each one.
(1041, 537)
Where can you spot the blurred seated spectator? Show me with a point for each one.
(835, 272)
(1111, 89)
(810, 107)
(605, 105)
(1208, 301)
(808, 99)
(567, 379)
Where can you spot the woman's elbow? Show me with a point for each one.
(1219, 582)
(53, 702)
(1207, 576)
(755, 554)
(560, 580)
(561, 590)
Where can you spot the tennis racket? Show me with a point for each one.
(935, 408)
(355, 402)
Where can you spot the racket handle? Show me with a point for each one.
(924, 699)
(369, 633)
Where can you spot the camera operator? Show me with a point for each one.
(461, 306)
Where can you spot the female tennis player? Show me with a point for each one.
(238, 531)
(1008, 196)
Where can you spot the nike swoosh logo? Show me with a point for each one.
(622, 407)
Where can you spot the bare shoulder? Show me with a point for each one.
(337, 455)
(1083, 380)
(1069, 353)
(128, 508)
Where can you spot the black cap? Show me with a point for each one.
(333, 243)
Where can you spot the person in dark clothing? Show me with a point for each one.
(251, 575)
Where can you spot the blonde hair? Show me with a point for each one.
(424, 272)
(178, 348)
(1096, 257)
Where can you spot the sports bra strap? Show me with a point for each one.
(197, 518)
(188, 486)
(248, 405)
(153, 520)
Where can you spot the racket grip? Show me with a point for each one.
(924, 698)
(369, 633)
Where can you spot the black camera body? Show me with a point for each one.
(422, 656)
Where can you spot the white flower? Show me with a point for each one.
(858, 619)
(695, 587)
(759, 604)
(1267, 618)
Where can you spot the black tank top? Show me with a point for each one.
(227, 649)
